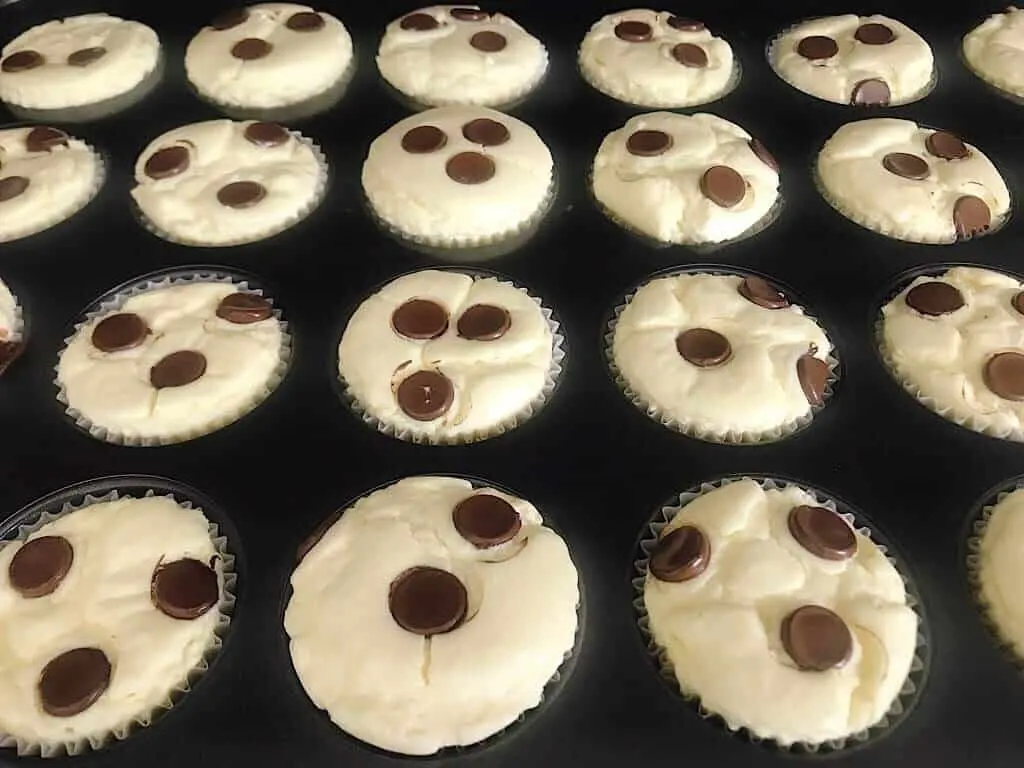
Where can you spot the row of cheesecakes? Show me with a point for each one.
(471, 177)
(279, 55)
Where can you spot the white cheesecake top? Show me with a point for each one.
(995, 50)
(1001, 568)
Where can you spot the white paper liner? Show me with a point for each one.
(901, 705)
(550, 383)
(691, 430)
(178, 689)
(318, 196)
(116, 301)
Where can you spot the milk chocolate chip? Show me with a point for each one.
(648, 143)
(766, 157)
(870, 93)
(971, 216)
(947, 146)
(1004, 375)
(816, 638)
(427, 601)
(634, 31)
(822, 532)
(184, 589)
(305, 21)
(812, 374)
(486, 520)
(484, 322)
(244, 308)
(425, 395)
(251, 48)
(1018, 302)
(934, 298)
(680, 555)
(39, 567)
(241, 194)
(469, 14)
(703, 347)
(166, 162)
(759, 291)
(684, 24)
(22, 61)
(486, 132)
(266, 134)
(420, 319)
(83, 57)
(470, 168)
(72, 682)
(123, 330)
(488, 41)
(43, 138)
(423, 139)
(817, 47)
(177, 369)
(723, 186)
(906, 165)
(230, 19)
(690, 55)
(874, 33)
(9, 352)
(419, 22)
(12, 186)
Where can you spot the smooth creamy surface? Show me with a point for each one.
(660, 196)
(132, 53)
(995, 50)
(301, 65)
(756, 391)
(439, 66)
(412, 694)
(850, 169)
(942, 359)
(104, 602)
(1001, 568)
(721, 630)
(495, 381)
(61, 181)
(10, 323)
(112, 390)
(906, 65)
(414, 194)
(185, 206)
(645, 73)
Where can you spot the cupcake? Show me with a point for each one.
(779, 615)
(120, 604)
(272, 60)
(222, 182)
(720, 357)
(911, 183)
(458, 596)
(46, 177)
(955, 341)
(12, 328)
(858, 60)
(81, 67)
(657, 59)
(994, 51)
(449, 357)
(447, 54)
(686, 179)
(172, 357)
(458, 177)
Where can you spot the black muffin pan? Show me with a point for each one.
(593, 464)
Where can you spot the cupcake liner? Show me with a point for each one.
(732, 437)
(909, 694)
(314, 203)
(56, 505)
(551, 381)
(13, 346)
(905, 383)
(116, 298)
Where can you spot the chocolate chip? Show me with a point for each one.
(766, 157)
(874, 33)
(420, 319)
(470, 168)
(686, 25)
(822, 532)
(816, 638)
(648, 143)
(723, 186)
(83, 57)
(22, 61)
(703, 347)
(251, 48)
(43, 138)
(759, 291)
(971, 216)
(12, 186)
(184, 589)
(870, 93)
(934, 298)
(423, 139)
(469, 14)
(9, 352)
(690, 55)
(425, 395)
(488, 42)
(1004, 375)
(419, 22)
(38, 568)
(486, 520)
(680, 555)
(487, 132)
(167, 162)
(817, 47)
(947, 146)
(241, 194)
(266, 134)
(906, 165)
(120, 331)
(230, 19)
(72, 682)
(812, 373)
(177, 369)
(634, 31)
(313, 539)
(1018, 302)
(244, 308)
(305, 21)
(427, 601)
(484, 322)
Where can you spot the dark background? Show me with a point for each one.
(590, 461)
